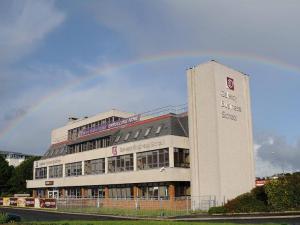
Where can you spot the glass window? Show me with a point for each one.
(120, 163)
(137, 133)
(73, 193)
(117, 138)
(181, 158)
(95, 192)
(73, 169)
(153, 159)
(120, 191)
(127, 136)
(147, 131)
(158, 129)
(153, 191)
(96, 166)
(55, 171)
(182, 189)
(41, 173)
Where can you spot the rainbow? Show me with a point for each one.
(147, 60)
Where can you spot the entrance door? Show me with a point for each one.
(53, 194)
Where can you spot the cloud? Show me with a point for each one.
(23, 25)
(15, 113)
(124, 89)
(267, 28)
(275, 155)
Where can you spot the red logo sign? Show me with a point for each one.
(114, 150)
(230, 83)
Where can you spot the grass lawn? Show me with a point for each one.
(142, 222)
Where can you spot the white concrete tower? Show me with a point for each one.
(220, 132)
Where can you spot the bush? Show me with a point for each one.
(217, 210)
(3, 218)
(281, 194)
(260, 194)
(284, 193)
(246, 203)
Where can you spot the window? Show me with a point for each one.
(182, 189)
(55, 171)
(95, 192)
(117, 138)
(127, 136)
(158, 129)
(96, 166)
(41, 193)
(147, 131)
(181, 158)
(120, 191)
(73, 169)
(137, 133)
(73, 193)
(153, 191)
(153, 159)
(120, 163)
(41, 173)
(89, 145)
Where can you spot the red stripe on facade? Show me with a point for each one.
(122, 127)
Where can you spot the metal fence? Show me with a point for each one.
(137, 206)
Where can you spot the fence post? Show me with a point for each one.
(187, 204)
(160, 206)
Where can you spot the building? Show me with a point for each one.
(206, 150)
(14, 158)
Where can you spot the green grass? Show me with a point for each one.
(142, 222)
(128, 212)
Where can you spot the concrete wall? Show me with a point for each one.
(220, 130)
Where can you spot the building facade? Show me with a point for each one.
(14, 158)
(205, 150)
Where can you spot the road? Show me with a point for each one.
(39, 215)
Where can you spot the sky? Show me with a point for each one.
(78, 58)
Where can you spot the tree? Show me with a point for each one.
(5, 174)
(23, 172)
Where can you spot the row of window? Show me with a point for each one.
(106, 141)
(137, 133)
(100, 142)
(89, 145)
(74, 133)
(145, 160)
(146, 191)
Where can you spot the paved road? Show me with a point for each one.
(39, 215)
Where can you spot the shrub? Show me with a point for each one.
(284, 193)
(260, 194)
(217, 210)
(3, 218)
(246, 203)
